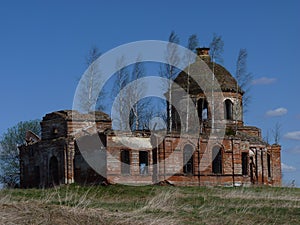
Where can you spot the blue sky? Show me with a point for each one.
(44, 43)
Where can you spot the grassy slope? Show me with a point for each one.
(150, 205)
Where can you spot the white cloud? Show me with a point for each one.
(264, 81)
(293, 135)
(287, 168)
(277, 112)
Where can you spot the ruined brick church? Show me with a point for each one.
(197, 158)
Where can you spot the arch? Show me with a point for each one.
(202, 109)
(269, 165)
(53, 171)
(143, 162)
(217, 167)
(228, 109)
(245, 163)
(188, 159)
(125, 162)
(176, 120)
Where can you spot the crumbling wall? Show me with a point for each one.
(58, 158)
(115, 145)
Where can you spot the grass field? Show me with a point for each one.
(117, 204)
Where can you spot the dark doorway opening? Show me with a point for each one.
(188, 159)
(217, 160)
(143, 162)
(125, 162)
(269, 165)
(53, 169)
(244, 164)
(202, 109)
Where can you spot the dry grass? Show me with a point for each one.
(150, 205)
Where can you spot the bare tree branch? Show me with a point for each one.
(243, 77)
(90, 81)
(276, 131)
(193, 43)
(139, 108)
(216, 48)
(122, 102)
(169, 71)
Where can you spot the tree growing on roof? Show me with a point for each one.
(89, 83)
(193, 43)
(216, 50)
(276, 131)
(121, 96)
(139, 113)
(169, 71)
(243, 77)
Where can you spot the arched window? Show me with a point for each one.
(176, 122)
(269, 165)
(125, 162)
(143, 162)
(188, 159)
(217, 160)
(53, 169)
(244, 163)
(228, 109)
(202, 109)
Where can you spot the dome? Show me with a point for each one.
(226, 81)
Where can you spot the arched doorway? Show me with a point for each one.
(217, 160)
(53, 171)
(202, 109)
(188, 159)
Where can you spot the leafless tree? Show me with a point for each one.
(121, 104)
(169, 71)
(243, 78)
(192, 45)
(276, 131)
(267, 138)
(91, 80)
(145, 119)
(130, 108)
(216, 50)
(138, 105)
